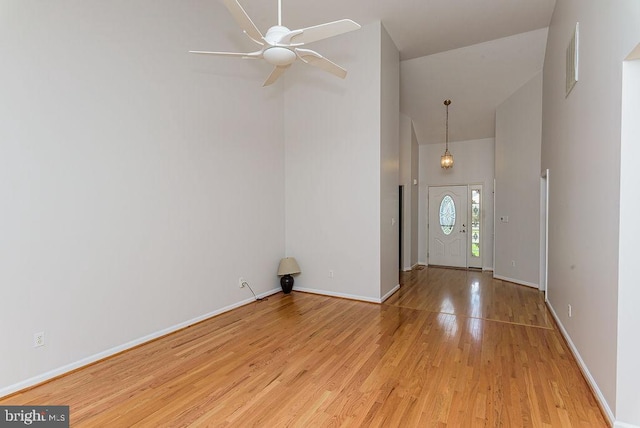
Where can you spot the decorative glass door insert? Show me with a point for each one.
(475, 223)
(447, 215)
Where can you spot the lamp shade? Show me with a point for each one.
(288, 266)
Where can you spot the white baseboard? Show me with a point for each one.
(408, 269)
(35, 380)
(484, 268)
(390, 293)
(585, 371)
(346, 296)
(516, 281)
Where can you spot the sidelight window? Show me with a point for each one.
(475, 222)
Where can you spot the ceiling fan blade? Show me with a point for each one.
(250, 55)
(319, 32)
(243, 20)
(275, 74)
(315, 59)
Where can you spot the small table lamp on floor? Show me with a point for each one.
(288, 266)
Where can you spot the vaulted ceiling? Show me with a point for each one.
(476, 53)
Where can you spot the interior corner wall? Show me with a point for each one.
(389, 163)
(474, 164)
(333, 171)
(405, 149)
(581, 147)
(409, 173)
(424, 158)
(406, 182)
(517, 192)
(415, 195)
(133, 195)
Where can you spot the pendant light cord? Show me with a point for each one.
(446, 103)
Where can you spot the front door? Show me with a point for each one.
(448, 226)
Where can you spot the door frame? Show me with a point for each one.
(464, 192)
(483, 228)
(544, 232)
(400, 228)
(478, 261)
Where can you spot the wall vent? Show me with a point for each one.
(572, 60)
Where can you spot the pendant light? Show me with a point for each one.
(446, 160)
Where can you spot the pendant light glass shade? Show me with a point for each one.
(446, 160)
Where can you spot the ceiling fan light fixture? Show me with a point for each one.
(279, 56)
(446, 160)
(281, 47)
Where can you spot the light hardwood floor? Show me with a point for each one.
(450, 348)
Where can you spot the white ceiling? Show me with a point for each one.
(477, 79)
(470, 51)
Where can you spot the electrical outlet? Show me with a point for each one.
(38, 339)
(513, 263)
(569, 311)
(241, 282)
(330, 274)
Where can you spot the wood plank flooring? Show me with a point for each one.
(451, 348)
(472, 294)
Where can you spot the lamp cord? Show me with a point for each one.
(258, 299)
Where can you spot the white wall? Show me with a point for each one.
(405, 180)
(409, 171)
(517, 193)
(628, 369)
(389, 163)
(415, 196)
(581, 148)
(132, 192)
(333, 174)
(473, 164)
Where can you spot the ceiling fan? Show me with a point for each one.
(281, 46)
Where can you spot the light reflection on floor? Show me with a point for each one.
(471, 294)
